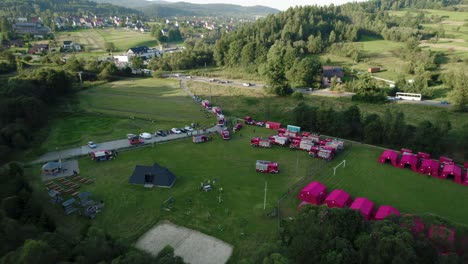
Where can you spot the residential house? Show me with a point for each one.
(16, 43)
(39, 48)
(329, 72)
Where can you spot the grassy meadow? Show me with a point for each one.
(93, 40)
(110, 111)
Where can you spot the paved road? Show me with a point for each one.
(121, 143)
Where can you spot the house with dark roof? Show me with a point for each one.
(137, 50)
(39, 48)
(150, 176)
(329, 72)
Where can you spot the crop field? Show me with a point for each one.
(111, 111)
(93, 39)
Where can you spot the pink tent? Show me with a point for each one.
(389, 155)
(404, 150)
(385, 211)
(423, 156)
(313, 193)
(445, 160)
(409, 159)
(465, 180)
(452, 170)
(364, 205)
(338, 198)
(429, 167)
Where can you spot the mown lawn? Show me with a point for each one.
(111, 111)
(240, 218)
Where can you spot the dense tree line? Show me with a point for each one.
(29, 234)
(389, 130)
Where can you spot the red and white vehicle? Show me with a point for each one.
(249, 121)
(337, 145)
(237, 127)
(302, 144)
(217, 110)
(200, 139)
(206, 104)
(279, 140)
(220, 120)
(266, 166)
(325, 153)
(135, 140)
(225, 134)
(260, 142)
(102, 155)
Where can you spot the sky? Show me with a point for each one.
(278, 4)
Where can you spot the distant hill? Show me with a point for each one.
(162, 8)
(187, 9)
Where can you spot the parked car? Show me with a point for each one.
(145, 135)
(189, 77)
(189, 129)
(176, 130)
(130, 136)
(160, 133)
(246, 84)
(183, 130)
(91, 144)
(444, 102)
(212, 80)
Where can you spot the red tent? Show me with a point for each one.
(272, 125)
(313, 193)
(389, 155)
(338, 198)
(409, 159)
(429, 167)
(364, 205)
(452, 170)
(385, 211)
(445, 160)
(404, 150)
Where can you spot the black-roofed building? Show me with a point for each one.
(330, 72)
(137, 50)
(151, 176)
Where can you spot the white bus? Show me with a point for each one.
(408, 96)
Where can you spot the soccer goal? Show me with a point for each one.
(341, 163)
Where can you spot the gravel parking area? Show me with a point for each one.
(194, 247)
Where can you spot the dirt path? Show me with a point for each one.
(194, 247)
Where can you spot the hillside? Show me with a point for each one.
(188, 9)
(69, 7)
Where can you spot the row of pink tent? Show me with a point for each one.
(422, 163)
(316, 193)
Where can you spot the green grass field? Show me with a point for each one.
(240, 218)
(448, 15)
(93, 39)
(107, 112)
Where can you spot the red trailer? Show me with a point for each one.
(338, 198)
(135, 140)
(314, 193)
(429, 167)
(272, 125)
(279, 140)
(409, 159)
(206, 104)
(465, 180)
(260, 142)
(452, 170)
(200, 139)
(364, 206)
(225, 134)
(385, 211)
(389, 155)
(266, 166)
